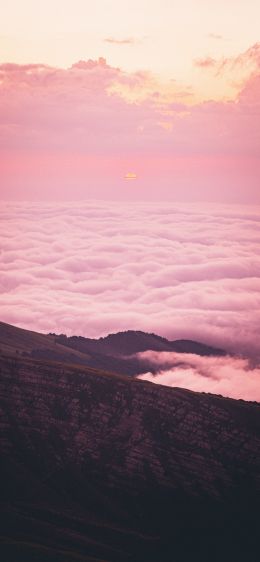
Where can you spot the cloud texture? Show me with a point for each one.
(90, 268)
(229, 376)
(72, 133)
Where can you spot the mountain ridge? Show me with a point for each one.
(110, 353)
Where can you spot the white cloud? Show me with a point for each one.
(89, 268)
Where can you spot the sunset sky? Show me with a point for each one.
(93, 91)
(130, 174)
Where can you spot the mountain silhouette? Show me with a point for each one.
(115, 352)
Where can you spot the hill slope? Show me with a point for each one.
(102, 467)
(115, 353)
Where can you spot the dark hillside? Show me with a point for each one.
(101, 467)
(114, 353)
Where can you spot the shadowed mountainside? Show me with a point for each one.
(115, 352)
(103, 467)
(131, 342)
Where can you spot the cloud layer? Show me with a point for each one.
(72, 133)
(90, 268)
(229, 376)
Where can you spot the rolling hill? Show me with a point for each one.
(115, 352)
(101, 467)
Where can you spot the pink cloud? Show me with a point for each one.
(229, 376)
(90, 64)
(68, 133)
(250, 55)
(248, 59)
(94, 267)
(207, 62)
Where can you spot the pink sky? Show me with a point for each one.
(90, 92)
(74, 133)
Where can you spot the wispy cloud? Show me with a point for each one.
(249, 61)
(124, 41)
(207, 62)
(215, 36)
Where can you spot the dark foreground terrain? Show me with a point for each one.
(101, 467)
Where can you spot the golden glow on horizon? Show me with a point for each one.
(130, 176)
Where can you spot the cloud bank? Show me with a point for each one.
(229, 376)
(90, 268)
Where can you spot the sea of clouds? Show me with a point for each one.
(94, 267)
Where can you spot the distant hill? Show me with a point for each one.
(131, 342)
(115, 352)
